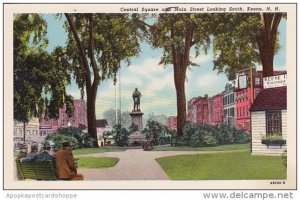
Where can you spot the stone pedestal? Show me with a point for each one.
(137, 119)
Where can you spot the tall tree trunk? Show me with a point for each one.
(266, 53)
(179, 79)
(91, 87)
(91, 112)
(24, 131)
(267, 40)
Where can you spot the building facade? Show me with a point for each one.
(216, 115)
(31, 132)
(244, 97)
(229, 112)
(202, 110)
(269, 118)
(78, 119)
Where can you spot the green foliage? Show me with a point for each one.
(159, 132)
(284, 158)
(59, 138)
(39, 77)
(83, 140)
(242, 40)
(132, 128)
(240, 137)
(97, 44)
(177, 35)
(207, 135)
(235, 42)
(225, 134)
(121, 135)
(272, 137)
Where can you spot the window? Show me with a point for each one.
(231, 98)
(257, 81)
(232, 112)
(273, 122)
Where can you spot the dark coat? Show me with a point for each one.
(41, 156)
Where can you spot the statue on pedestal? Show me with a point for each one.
(136, 100)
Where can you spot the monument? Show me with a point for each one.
(136, 114)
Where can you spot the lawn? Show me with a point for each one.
(94, 150)
(223, 166)
(215, 148)
(91, 162)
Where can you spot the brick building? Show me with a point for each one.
(78, 119)
(244, 98)
(216, 109)
(202, 110)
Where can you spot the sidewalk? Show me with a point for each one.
(134, 164)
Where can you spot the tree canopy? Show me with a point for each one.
(96, 46)
(242, 40)
(39, 77)
(177, 35)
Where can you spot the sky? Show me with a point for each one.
(154, 81)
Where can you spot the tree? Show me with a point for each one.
(177, 35)
(39, 78)
(110, 116)
(121, 135)
(266, 40)
(243, 39)
(96, 45)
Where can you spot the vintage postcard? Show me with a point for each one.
(150, 96)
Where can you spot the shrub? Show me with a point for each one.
(209, 140)
(84, 140)
(284, 157)
(190, 134)
(225, 135)
(208, 135)
(59, 138)
(121, 135)
(241, 137)
(158, 131)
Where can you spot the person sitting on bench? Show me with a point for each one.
(44, 155)
(66, 167)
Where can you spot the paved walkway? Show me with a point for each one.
(134, 164)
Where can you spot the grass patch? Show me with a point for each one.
(90, 162)
(93, 150)
(227, 147)
(223, 166)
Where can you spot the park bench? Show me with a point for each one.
(38, 170)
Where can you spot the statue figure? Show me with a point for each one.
(136, 100)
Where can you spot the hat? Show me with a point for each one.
(65, 144)
(47, 145)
